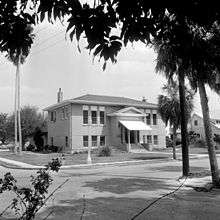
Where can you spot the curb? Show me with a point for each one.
(26, 166)
(86, 166)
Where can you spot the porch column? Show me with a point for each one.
(135, 137)
(123, 134)
(129, 141)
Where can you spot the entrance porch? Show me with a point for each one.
(130, 133)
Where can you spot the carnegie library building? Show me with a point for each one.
(97, 120)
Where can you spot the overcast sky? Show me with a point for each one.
(56, 63)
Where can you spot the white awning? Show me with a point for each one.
(136, 125)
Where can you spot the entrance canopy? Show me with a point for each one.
(135, 125)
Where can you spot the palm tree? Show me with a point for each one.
(169, 108)
(198, 61)
(16, 39)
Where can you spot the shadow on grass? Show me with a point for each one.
(126, 185)
(149, 157)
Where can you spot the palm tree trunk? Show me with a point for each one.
(208, 134)
(19, 107)
(185, 148)
(16, 111)
(174, 143)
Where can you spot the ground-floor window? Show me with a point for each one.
(144, 140)
(85, 141)
(155, 140)
(102, 140)
(149, 139)
(51, 141)
(94, 141)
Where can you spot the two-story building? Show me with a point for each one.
(97, 120)
(196, 125)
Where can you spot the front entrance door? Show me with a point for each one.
(132, 136)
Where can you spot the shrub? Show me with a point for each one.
(169, 142)
(30, 147)
(200, 143)
(105, 151)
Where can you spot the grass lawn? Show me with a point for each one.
(80, 158)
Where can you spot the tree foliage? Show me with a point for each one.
(169, 104)
(29, 200)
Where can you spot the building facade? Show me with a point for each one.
(93, 120)
(196, 125)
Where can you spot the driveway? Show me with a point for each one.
(120, 193)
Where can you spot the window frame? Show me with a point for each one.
(86, 117)
(96, 141)
(149, 137)
(92, 117)
(102, 136)
(148, 119)
(86, 141)
(154, 119)
(195, 122)
(155, 141)
(102, 117)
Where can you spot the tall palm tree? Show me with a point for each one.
(196, 59)
(16, 39)
(169, 108)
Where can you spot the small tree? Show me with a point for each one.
(169, 108)
(31, 118)
(3, 128)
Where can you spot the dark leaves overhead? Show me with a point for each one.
(15, 30)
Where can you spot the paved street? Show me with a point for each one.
(121, 192)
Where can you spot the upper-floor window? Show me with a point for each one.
(85, 116)
(196, 123)
(53, 116)
(154, 119)
(94, 117)
(85, 141)
(148, 119)
(102, 117)
(94, 141)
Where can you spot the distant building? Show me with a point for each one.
(98, 120)
(196, 125)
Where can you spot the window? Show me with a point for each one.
(102, 117)
(63, 113)
(85, 141)
(155, 140)
(51, 141)
(53, 116)
(66, 141)
(148, 119)
(66, 113)
(154, 119)
(149, 139)
(144, 140)
(102, 140)
(85, 116)
(94, 117)
(196, 123)
(94, 141)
